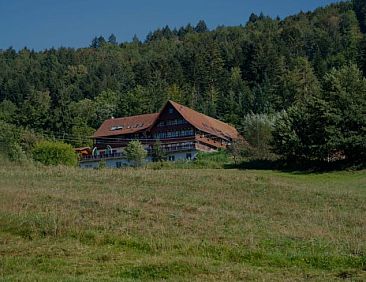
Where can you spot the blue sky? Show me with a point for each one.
(40, 24)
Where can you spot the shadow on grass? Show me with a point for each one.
(298, 167)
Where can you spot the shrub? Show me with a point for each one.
(257, 131)
(158, 153)
(212, 160)
(135, 153)
(237, 148)
(54, 153)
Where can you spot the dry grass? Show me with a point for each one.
(69, 224)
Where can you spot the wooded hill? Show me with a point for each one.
(264, 66)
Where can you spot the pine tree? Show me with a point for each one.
(360, 9)
(112, 40)
(201, 27)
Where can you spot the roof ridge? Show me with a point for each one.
(202, 114)
(132, 116)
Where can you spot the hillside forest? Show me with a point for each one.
(298, 83)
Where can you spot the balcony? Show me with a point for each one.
(166, 149)
(102, 157)
(175, 148)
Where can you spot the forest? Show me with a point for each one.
(302, 78)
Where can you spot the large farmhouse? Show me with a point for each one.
(182, 133)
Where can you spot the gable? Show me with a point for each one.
(205, 123)
(172, 112)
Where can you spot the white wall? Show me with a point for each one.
(117, 163)
(181, 156)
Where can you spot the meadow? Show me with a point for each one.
(68, 224)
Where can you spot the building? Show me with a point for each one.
(182, 133)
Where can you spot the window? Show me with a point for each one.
(171, 158)
(170, 110)
(118, 164)
(118, 127)
(188, 132)
(188, 156)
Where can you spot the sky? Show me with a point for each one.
(42, 24)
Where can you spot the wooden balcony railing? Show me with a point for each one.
(102, 157)
(170, 149)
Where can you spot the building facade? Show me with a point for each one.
(181, 131)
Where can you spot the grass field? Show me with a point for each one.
(67, 224)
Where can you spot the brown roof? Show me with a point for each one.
(205, 123)
(126, 125)
(135, 124)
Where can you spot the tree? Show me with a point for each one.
(135, 40)
(175, 93)
(345, 92)
(54, 153)
(112, 39)
(135, 153)
(35, 109)
(360, 9)
(236, 149)
(94, 43)
(329, 126)
(98, 42)
(101, 41)
(10, 138)
(7, 111)
(209, 101)
(201, 27)
(265, 66)
(257, 131)
(253, 18)
(84, 111)
(106, 106)
(286, 142)
(295, 85)
(134, 102)
(237, 101)
(81, 135)
(158, 153)
(362, 55)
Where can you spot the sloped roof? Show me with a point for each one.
(205, 123)
(135, 124)
(126, 125)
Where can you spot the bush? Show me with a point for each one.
(158, 153)
(212, 160)
(257, 131)
(135, 153)
(54, 153)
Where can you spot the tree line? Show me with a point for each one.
(305, 73)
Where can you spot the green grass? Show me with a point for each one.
(68, 224)
(214, 160)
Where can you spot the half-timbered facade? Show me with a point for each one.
(182, 133)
